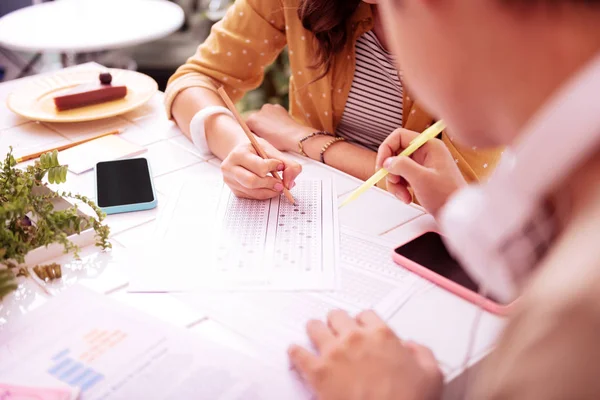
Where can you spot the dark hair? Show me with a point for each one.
(327, 20)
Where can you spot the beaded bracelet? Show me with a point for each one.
(328, 145)
(301, 142)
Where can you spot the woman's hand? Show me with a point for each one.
(274, 124)
(431, 171)
(363, 359)
(247, 174)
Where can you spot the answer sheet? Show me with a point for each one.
(369, 280)
(209, 239)
(84, 340)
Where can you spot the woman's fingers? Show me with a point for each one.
(291, 169)
(256, 194)
(250, 180)
(250, 176)
(290, 173)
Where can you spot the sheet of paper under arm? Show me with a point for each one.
(210, 239)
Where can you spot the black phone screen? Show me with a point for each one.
(430, 252)
(123, 182)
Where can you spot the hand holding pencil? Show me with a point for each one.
(247, 168)
(430, 172)
(409, 159)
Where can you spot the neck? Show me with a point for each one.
(378, 28)
(534, 74)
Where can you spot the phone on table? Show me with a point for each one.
(428, 257)
(124, 186)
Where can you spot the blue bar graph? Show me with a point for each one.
(76, 368)
(91, 382)
(60, 355)
(72, 372)
(61, 365)
(78, 380)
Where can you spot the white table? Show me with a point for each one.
(87, 26)
(433, 317)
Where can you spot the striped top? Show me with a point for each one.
(374, 106)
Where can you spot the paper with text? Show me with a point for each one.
(84, 340)
(369, 280)
(210, 239)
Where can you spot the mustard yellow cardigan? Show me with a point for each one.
(252, 35)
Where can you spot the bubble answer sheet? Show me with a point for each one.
(207, 238)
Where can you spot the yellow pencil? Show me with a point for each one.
(414, 145)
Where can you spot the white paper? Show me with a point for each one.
(84, 157)
(369, 280)
(210, 239)
(85, 340)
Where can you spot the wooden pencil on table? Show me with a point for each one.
(66, 146)
(259, 150)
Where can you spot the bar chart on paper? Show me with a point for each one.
(73, 367)
(83, 340)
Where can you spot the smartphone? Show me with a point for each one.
(124, 186)
(428, 257)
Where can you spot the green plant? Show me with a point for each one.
(274, 89)
(28, 218)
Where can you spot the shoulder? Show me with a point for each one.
(549, 347)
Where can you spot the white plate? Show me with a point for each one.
(35, 99)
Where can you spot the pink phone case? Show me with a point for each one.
(452, 287)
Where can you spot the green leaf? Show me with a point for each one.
(44, 161)
(8, 283)
(51, 175)
(55, 158)
(17, 200)
(63, 174)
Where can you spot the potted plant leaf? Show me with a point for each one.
(36, 221)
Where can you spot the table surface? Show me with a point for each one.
(89, 25)
(433, 317)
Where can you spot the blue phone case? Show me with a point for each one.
(128, 207)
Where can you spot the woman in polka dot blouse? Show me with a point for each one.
(344, 84)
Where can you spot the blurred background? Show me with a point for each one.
(157, 57)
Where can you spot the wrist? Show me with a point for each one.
(295, 138)
(223, 134)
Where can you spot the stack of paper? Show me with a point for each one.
(210, 239)
(86, 341)
(369, 280)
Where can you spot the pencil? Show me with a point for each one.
(259, 150)
(414, 145)
(66, 146)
